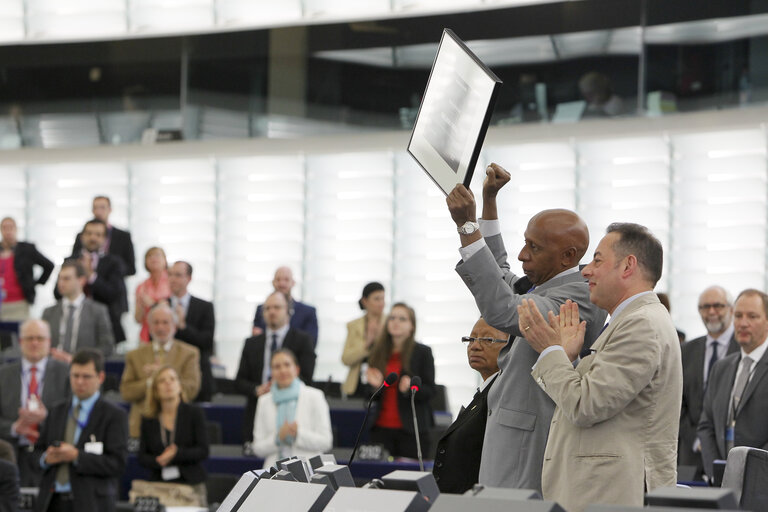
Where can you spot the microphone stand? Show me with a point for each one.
(414, 389)
(388, 381)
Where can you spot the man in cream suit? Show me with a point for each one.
(143, 362)
(614, 432)
(737, 395)
(77, 321)
(555, 241)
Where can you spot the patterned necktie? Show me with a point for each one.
(67, 345)
(62, 473)
(739, 386)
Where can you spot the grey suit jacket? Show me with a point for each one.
(614, 432)
(518, 411)
(750, 418)
(693, 353)
(94, 330)
(55, 390)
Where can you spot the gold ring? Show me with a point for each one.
(527, 327)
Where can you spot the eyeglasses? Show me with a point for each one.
(718, 306)
(486, 342)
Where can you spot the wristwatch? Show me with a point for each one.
(468, 228)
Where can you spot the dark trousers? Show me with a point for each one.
(60, 503)
(400, 443)
(29, 467)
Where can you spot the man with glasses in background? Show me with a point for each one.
(457, 459)
(698, 356)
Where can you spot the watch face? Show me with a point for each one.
(468, 228)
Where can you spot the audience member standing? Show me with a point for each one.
(17, 262)
(254, 376)
(152, 290)
(76, 321)
(195, 323)
(555, 242)
(302, 316)
(174, 439)
(292, 418)
(736, 397)
(699, 356)
(28, 390)
(613, 436)
(457, 458)
(396, 351)
(83, 445)
(361, 334)
(142, 363)
(104, 275)
(116, 242)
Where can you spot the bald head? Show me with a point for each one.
(555, 240)
(283, 281)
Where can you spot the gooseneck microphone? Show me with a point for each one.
(415, 385)
(388, 381)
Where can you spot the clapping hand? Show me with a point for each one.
(564, 329)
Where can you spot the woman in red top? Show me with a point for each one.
(396, 350)
(152, 290)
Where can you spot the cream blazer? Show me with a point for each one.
(313, 417)
(355, 352)
(615, 427)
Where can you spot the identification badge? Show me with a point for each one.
(33, 403)
(729, 434)
(170, 473)
(96, 448)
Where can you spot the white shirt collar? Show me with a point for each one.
(724, 339)
(571, 270)
(487, 381)
(281, 332)
(626, 303)
(166, 346)
(77, 302)
(756, 354)
(26, 365)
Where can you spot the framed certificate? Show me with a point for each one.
(454, 114)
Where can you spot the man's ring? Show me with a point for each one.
(527, 327)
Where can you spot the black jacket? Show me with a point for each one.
(191, 438)
(95, 478)
(457, 459)
(9, 487)
(120, 245)
(252, 364)
(25, 257)
(198, 332)
(423, 365)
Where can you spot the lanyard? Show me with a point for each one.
(80, 424)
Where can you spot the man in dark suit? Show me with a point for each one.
(302, 316)
(9, 479)
(457, 459)
(104, 274)
(736, 398)
(76, 321)
(195, 323)
(117, 242)
(82, 446)
(29, 388)
(253, 377)
(18, 280)
(699, 356)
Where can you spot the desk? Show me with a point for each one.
(237, 465)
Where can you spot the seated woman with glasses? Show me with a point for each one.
(292, 418)
(391, 418)
(174, 437)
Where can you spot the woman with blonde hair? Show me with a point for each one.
(174, 440)
(152, 290)
(396, 350)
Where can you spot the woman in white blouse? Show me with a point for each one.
(292, 419)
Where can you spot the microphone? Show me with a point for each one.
(388, 381)
(415, 385)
